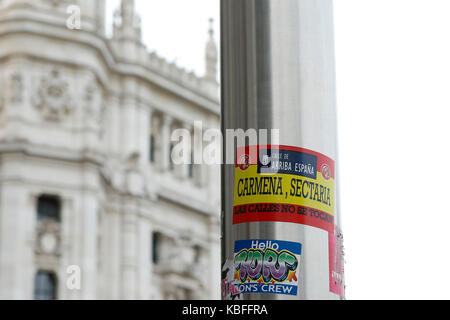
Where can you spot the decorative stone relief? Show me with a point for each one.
(180, 256)
(93, 102)
(53, 97)
(93, 105)
(16, 88)
(2, 97)
(48, 238)
(56, 3)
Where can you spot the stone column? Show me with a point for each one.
(112, 246)
(80, 235)
(198, 164)
(129, 125)
(113, 124)
(165, 142)
(89, 238)
(15, 250)
(145, 123)
(144, 259)
(130, 117)
(214, 258)
(70, 245)
(28, 259)
(129, 253)
(183, 168)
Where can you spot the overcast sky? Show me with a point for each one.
(393, 94)
(176, 29)
(393, 81)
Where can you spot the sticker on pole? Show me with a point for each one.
(267, 266)
(293, 185)
(284, 184)
(336, 257)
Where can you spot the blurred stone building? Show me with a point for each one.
(86, 179)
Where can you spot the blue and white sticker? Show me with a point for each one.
(267, 266)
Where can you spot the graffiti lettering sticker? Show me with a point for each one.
(267, 266)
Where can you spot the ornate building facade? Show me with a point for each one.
(87, 184)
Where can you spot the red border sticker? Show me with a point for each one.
(292, 185)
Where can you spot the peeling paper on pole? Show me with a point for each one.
(288, 184)
(336, 256)
(229, 283)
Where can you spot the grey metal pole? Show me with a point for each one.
(281, 235)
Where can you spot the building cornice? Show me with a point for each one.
(28, 22)
(52, 153)
(182, 200)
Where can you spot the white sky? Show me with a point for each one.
(393, 81)
(393, 94)
(176, 29)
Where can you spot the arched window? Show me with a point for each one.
(49, 208)
(45, 286)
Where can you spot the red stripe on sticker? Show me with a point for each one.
(276, 212)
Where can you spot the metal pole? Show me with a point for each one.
(281, 235)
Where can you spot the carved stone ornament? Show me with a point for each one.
(2, 97)
(48, 238)
(53, 98)
(56, 3)
(16, 87)
(93, 103)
